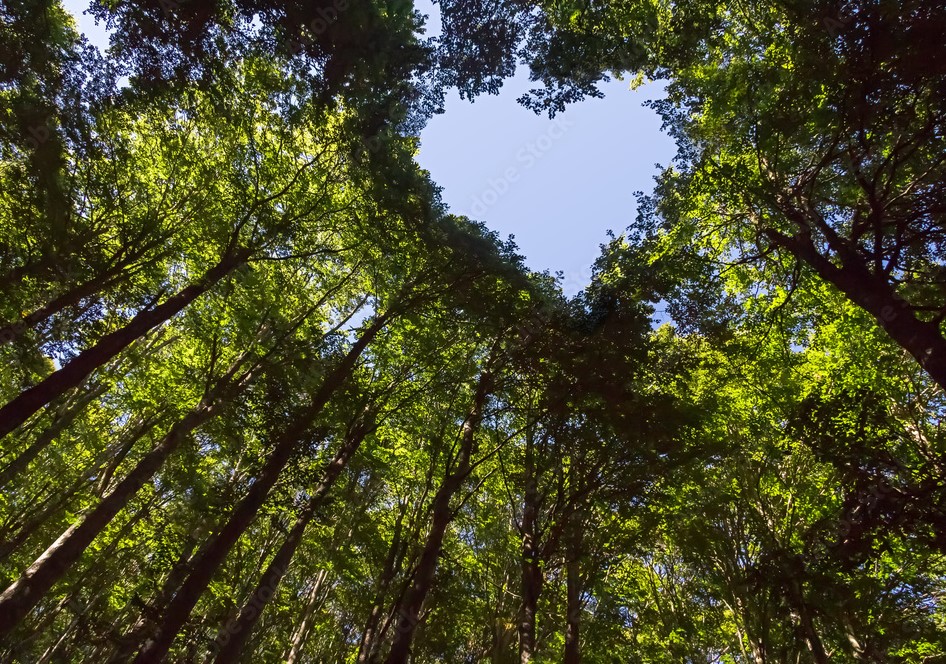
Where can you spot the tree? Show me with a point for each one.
(267, 400)
(827, 150)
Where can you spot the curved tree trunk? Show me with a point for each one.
(806, 621)
(923, 340)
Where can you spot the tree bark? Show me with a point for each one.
(23, 594)
(108, 472)
(297, 641)
(369, 635)
(572, 653)
(806, 622)
(39, 517)
(26, 457)
(11, 331)
(873, 293)
(154, 609)
(121, 266)
(410, 607)
(17, 411)
(216, 549)
(87, 578)
(234, 640)
(530, 571)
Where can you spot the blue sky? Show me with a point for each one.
(556, 185)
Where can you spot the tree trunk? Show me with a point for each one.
(152, 611)
(216, 549)
(121, 268)
(87, 579)
(410, 607)
(297, 641)
(806, 622)
(369, 635)
(21, 462)
(22, 595)
(45, 264)
(409, 611)
(374, 632)
(108, 472)
(17, 411)
(36, 518)
(530, 571)
(573, 611)
(70, 298)
(923, 340)
(503, 633)
(236, 634)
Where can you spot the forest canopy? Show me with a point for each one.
(264, 398)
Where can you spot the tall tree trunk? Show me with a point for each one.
(70, 298)
(45, 265)
(36, 518)
(108, 472)
(530, 570)
(503, 634)
(79, 615)
(805, 619)
(120, 268)
(410, 607)
(237, 633)
(369, 635)
(17, 411)
(152, 612)
(24, 593)
(216, 549)
(299, 635)
(374, 631)
(87, 580)
(572, 610)
(23, 460)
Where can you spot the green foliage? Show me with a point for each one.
(367, 424)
